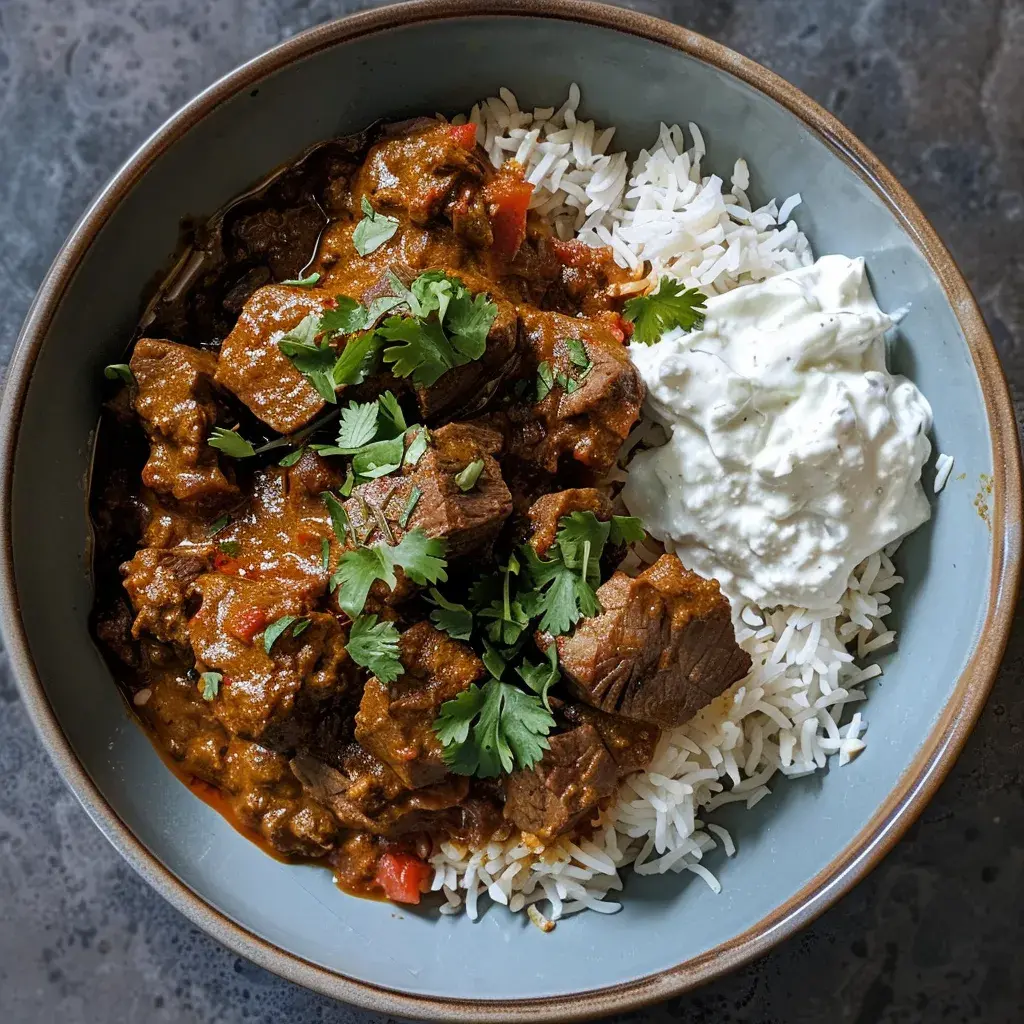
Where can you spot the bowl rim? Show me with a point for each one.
(916, 785)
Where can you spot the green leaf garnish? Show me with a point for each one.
(670, 306)
(325, 553)
(359, 359)
(410, 505)
(340, 522)
(417, 447)
(540, 678)
(626, 530)
(304, 282)
(230, 443)
(292, 457)
(577, 353)
(545, 381)
(119, 371)
(494, 728)
(358, 426)
(217, 525)
(211, 684)
(276, 628)
(467, 478)
(230, 547)
(453, 618)
(374, 645)
(314, 361)
(373, 230)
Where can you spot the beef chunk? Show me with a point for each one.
(175, 401)
(662, 648)
(546, 511)
(424, 173)
(467, 520)
(364, 793)
(255, 370)
(631, 743)
(312, 475)
(271, 699)
(268, 799)
(159, 582)
(588, 419)
(575, 774)
(395, 721)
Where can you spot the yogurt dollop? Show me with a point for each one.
(793, 452)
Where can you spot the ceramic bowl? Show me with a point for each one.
(800, 849)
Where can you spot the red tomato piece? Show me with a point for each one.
(508, 199)
(226, 564)
(403, 877)
(463, 135)
(245, 623)
(572, 253)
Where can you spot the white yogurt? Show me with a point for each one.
(793, 452)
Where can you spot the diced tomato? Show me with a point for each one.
(403, 877)
(463, 135)
(330, 302)
(245, 623)
(226, 564)
(508, 199)
(574, 253)
(619, 328)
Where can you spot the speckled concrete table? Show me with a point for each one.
(935, 88)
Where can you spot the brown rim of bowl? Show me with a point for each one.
(915, 786)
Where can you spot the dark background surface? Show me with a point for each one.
(936, 89)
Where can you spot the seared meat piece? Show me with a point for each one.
(272, 698)
(589, 276)
(631, 743)
(256, 371)
(545, 512)
(175, 401)
(663, 647)
(364, 793)
(467, 520)
(312, 475)
(267, 798)
(589, 416)
(575, 774)
(159, 581)
(425, 172)
(395, 721)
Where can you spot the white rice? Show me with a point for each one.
(786, 717)
(943, 467)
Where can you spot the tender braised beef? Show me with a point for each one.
(362, 459)
(661, 649)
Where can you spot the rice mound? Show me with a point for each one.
(785, 717)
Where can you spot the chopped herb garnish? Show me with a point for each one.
(230, 547)
(421, 557)
(508, 618)
(119, 371)
(410, 505)
(626, 530)
(540, 678)
(217, 525)
(545, 381)
(340, 522)
(373, 230)
(304, 282)
(276, 628)
(493, 660)
(672, 305)
(292, 457)
(577, 353)
(315, 361)
(467, 478)
(230, 443)
(494, 728)
(374, 645)
(210, 683)
(325, 553)
(358, 425)
(358, 360)
(345, 490)
(417, 447)
(453, 618)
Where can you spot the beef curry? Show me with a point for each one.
(355, 548)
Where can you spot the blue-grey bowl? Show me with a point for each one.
(800, 849)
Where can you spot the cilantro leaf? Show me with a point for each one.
(217, 525)
(392, 412)
(230, 443)
(358, 426)
(211, 684)
(431, 292)
(345, 490)
(423, 353)
(577, 353)
(545, 380)
(493, 660)
(540, 678)
(379, 458)
(421, 557)
(325, 553)
(119, 371)
(580, 540)
(314, 361)
(373, 230)
(467, 477)
(292, 457)
(494, 728)
(564, 592)
(626, 530)
(469, 322)
(273, 632)
(417, 447)
(358, 360)
(304, 282)
(340, 522)
(454, 619)
(230, 547)
(346, 317)
(410, 505)
(374, 645)
(670, 306)
(507, 615)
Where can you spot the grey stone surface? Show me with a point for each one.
(935, 88)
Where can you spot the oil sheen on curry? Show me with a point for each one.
(355, 545)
